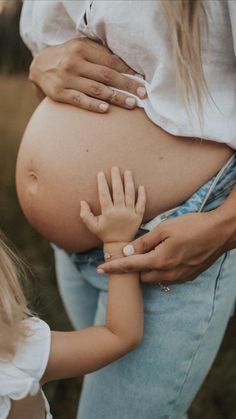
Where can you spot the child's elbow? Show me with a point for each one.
(133, 341)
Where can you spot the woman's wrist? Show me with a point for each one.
(224, 218)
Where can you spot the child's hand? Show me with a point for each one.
(121, 213)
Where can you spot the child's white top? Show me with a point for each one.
(137, 31)
(20, 376)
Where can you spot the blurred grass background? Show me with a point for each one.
(217, 397)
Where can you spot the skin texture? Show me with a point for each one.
(72, 353)
(64, 148)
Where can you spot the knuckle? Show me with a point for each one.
(113, 61)
(77, 46)
(96, 90)
(144, 245)
(130, 85)
(107, 75)
(90, 105)
(68, 65)
(127, 266)
(121, 66)
(114, 98)
(57, 91)
(76, 98)
(163, 231)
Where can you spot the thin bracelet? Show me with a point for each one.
(110, 256)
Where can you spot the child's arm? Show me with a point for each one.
(84, 351)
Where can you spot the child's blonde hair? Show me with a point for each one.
(13, 305)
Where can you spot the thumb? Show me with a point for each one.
(145, 243)
(87, 216)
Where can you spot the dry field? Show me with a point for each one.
(217, 398)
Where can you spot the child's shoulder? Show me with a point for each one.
(20, 376)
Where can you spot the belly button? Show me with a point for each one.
(33, 181)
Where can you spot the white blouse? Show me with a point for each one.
(20, 376)
(137, 32)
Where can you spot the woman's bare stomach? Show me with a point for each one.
(64, 147)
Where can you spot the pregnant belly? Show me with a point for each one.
(63, 148)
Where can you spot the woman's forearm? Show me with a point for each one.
(225, 220)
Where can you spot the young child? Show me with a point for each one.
(31, 355)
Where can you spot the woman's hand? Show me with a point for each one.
(121, 214)
(177, 250)
(82, 73)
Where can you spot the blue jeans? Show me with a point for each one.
(183, 329)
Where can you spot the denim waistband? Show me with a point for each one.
(208, 197)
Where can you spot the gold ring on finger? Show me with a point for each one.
(114, 94)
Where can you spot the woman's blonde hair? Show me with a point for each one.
(183, 17)
(13, 305)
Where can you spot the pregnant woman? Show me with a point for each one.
(179, 144)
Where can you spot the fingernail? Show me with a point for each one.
(100, 271)
(141, 92)
(140, 76)
(103, 107)
(130, 102)
(128, 250)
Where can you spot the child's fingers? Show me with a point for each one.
(141, 201)
(103, 192)
(87, 216)
(117, 187)
(129, 189)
